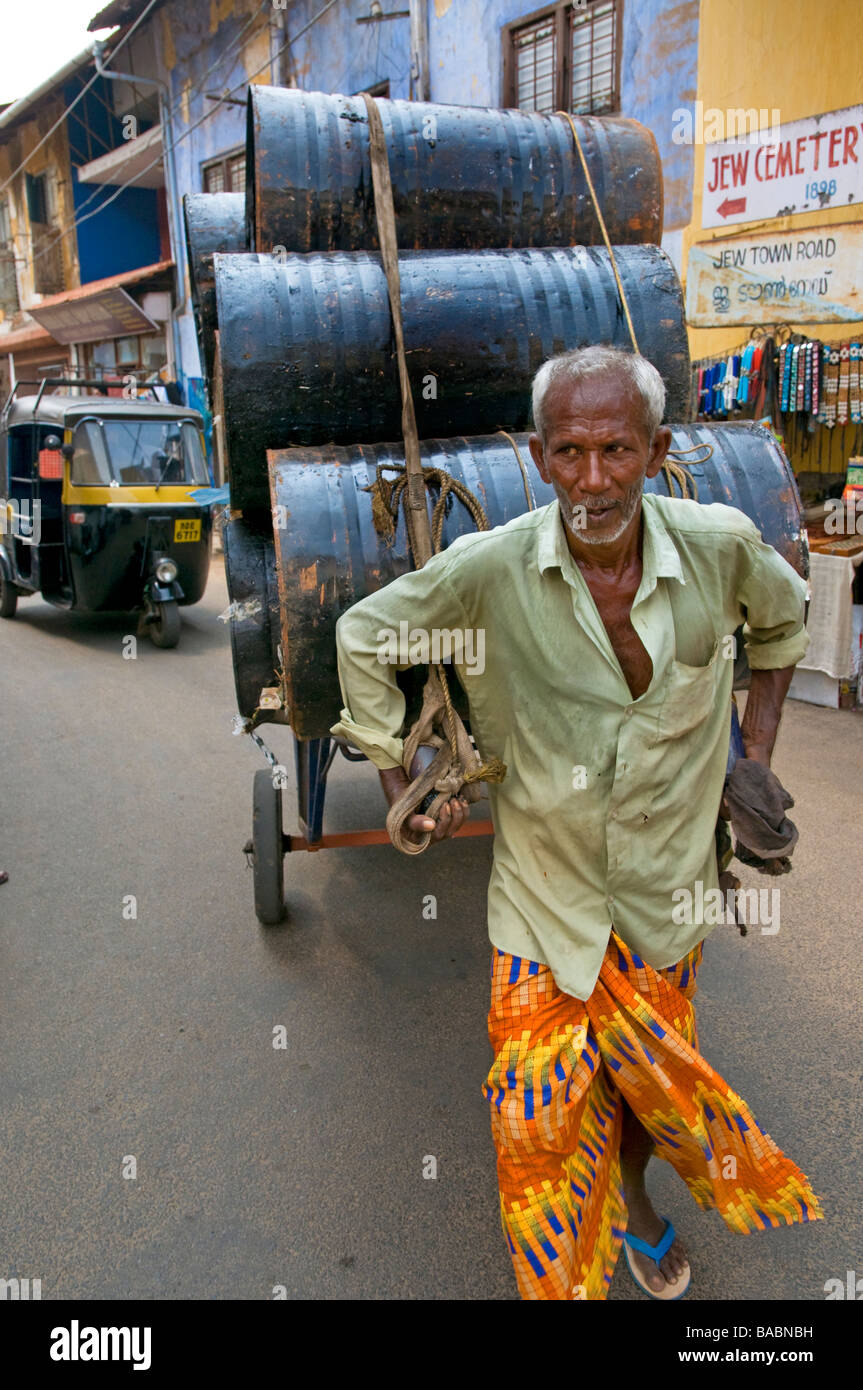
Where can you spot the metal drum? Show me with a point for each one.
(307, 352)
(213, 222)
(463, 176)
(328, 555)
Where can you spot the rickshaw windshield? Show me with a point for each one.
(129, 452)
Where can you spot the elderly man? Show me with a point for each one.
(606, 689)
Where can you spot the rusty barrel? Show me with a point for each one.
(463, 176)
(214, 222)
(294, 574)
(307, 351)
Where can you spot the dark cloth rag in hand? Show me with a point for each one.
(757, 802)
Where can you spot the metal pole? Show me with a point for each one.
(279, 24)
(175, 230)
(419, 50)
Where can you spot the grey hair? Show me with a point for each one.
(582, 363)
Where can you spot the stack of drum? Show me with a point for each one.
(502, 266)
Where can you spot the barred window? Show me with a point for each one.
(564, 57)
(594, 59)
(536, 66)
(227, 174)
(214, 178)
(45, 237)
(9, 302)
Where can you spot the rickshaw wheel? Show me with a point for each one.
(8, 596)
(268, 850)
(165, 629)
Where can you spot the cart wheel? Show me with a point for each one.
(165, 629)
(267, 850)
(8, 596)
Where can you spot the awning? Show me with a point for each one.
(126, 277)
(32, 337)
(36, 335)
(110, 314)
(127, 163)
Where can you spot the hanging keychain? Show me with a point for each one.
(854, 382)
(801, 377)
(785, 375)
(807, 380)
(842, 396)
(792, 384)
(831, 386)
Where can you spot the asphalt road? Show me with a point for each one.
(151, 1038)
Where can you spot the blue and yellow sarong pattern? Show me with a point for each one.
(561, 1066)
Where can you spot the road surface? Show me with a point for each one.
(145, 1043)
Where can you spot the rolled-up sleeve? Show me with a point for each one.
(773, 597)
(368, 635)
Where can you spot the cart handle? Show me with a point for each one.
(372, 837)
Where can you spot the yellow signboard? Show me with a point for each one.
(813, 275)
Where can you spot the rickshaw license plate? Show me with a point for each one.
(187, 530)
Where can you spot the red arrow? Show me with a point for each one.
(731, 205)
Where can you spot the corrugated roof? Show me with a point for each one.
(32, 336)
(126, 277)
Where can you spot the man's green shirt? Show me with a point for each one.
(609, 804)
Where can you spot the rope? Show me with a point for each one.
(388, 494)
(455, 764)
(528, 492)
(602, 227)
(674, 473)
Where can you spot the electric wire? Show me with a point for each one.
(66, 113)
(78, 220)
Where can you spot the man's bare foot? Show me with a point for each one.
(644, 1223)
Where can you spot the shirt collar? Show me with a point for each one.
(661, 559)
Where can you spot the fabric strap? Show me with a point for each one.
(455, 768)
(417, 507)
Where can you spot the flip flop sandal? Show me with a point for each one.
(671, 1292)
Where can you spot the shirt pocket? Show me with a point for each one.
(690, 696)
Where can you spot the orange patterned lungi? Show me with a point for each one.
(560, 1067)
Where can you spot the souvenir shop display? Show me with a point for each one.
(791, 377)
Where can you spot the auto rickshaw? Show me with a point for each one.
(97, 513)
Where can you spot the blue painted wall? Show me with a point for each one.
(126, 235)
(197, 59)
(658, 70)
(659, 61)
(339, 55)
(659, 74)
(201, 42)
